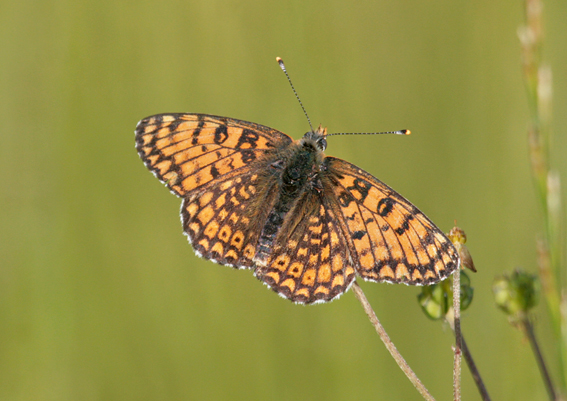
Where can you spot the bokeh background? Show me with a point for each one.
(101, 297)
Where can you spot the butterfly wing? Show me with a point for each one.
(390, 239)
(187, 151)
(220, 167)
(312, 261)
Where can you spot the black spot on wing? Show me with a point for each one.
(358, 234)
(221, 134)
(385, 206)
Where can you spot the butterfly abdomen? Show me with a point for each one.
(297, 174)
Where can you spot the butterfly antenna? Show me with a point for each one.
(282, 66)
(400, 132)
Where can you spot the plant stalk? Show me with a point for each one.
(389, 344)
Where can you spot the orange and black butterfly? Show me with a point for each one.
(306, 223)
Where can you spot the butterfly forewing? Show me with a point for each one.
(186, 151)
(393, 241)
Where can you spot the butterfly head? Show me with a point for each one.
(317, 136)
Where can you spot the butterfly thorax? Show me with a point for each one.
(298, 174)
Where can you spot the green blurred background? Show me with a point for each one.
(101, 297)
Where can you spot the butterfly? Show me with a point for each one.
(306, 224)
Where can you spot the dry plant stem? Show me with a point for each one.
(474, 371)
(470, 363)
(528, 328)
(458, 337)
(388, 343)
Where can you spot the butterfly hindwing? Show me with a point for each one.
(312, 263)
(223, 219)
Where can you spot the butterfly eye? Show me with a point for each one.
(294, 174)
(322, 143)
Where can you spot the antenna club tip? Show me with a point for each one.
(280, 62)
(406, 132)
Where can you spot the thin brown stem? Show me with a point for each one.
(474, 371)
(389, 344)
(472, 366)
(528, 328)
